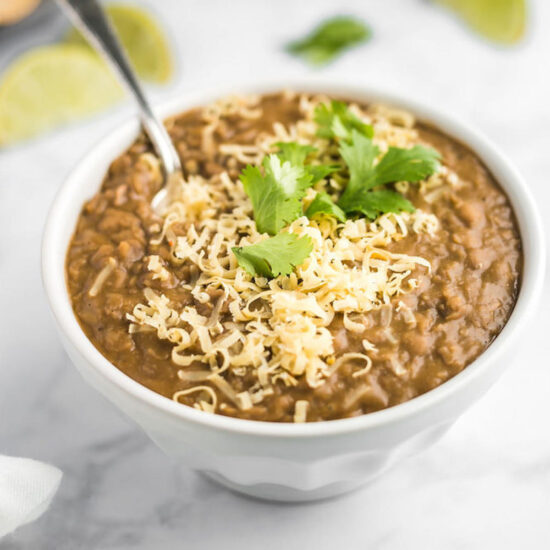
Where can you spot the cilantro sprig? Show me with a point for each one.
(276, 194)
(330, 39)
(323, 204)
(335, 120)
(277, 191)
(297, 154)
(275, 256)
(365, 192)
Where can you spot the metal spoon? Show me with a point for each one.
(88, 16)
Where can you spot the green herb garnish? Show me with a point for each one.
(336, 121)
(297, 155)
(330, 39)
(275, 256)
(293, 152)
(276, 194)
(323, 204)
(364, 192)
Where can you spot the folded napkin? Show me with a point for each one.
(26, 490)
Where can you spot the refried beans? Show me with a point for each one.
(155, 299)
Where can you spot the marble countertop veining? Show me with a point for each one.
(486, 484)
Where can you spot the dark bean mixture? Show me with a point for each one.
(458, 309)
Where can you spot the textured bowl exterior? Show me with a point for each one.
(286, 461)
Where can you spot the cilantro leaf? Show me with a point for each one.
(323, 204)
(363, 193)
(337, 121)
(372, 203)
(319, 172)
(406, 164)
(359, 155)
(293, 152)
(330, 39)
(275, 256)
(296, 154)
(276, 194)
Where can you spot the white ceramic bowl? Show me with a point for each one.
(290, 461)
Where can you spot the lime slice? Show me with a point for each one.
(502, 21)
(143, 39)
(49, 86)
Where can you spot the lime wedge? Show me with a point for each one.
(49, 86)
(143, 39)
(501, 21)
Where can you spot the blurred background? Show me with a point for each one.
(485, 485)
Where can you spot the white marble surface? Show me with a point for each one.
(485, 485)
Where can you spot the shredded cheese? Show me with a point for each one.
(203, 405)
(156, 266)
(300, 411)
(102, 276)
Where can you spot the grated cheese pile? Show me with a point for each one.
(276, 330)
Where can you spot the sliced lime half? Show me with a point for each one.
(50, 86)
(142, 38)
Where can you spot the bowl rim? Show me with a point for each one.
(531, 232)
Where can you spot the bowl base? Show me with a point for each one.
(282, 493)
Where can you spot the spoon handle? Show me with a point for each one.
(88, 16)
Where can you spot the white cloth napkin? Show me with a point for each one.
(26, 490)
